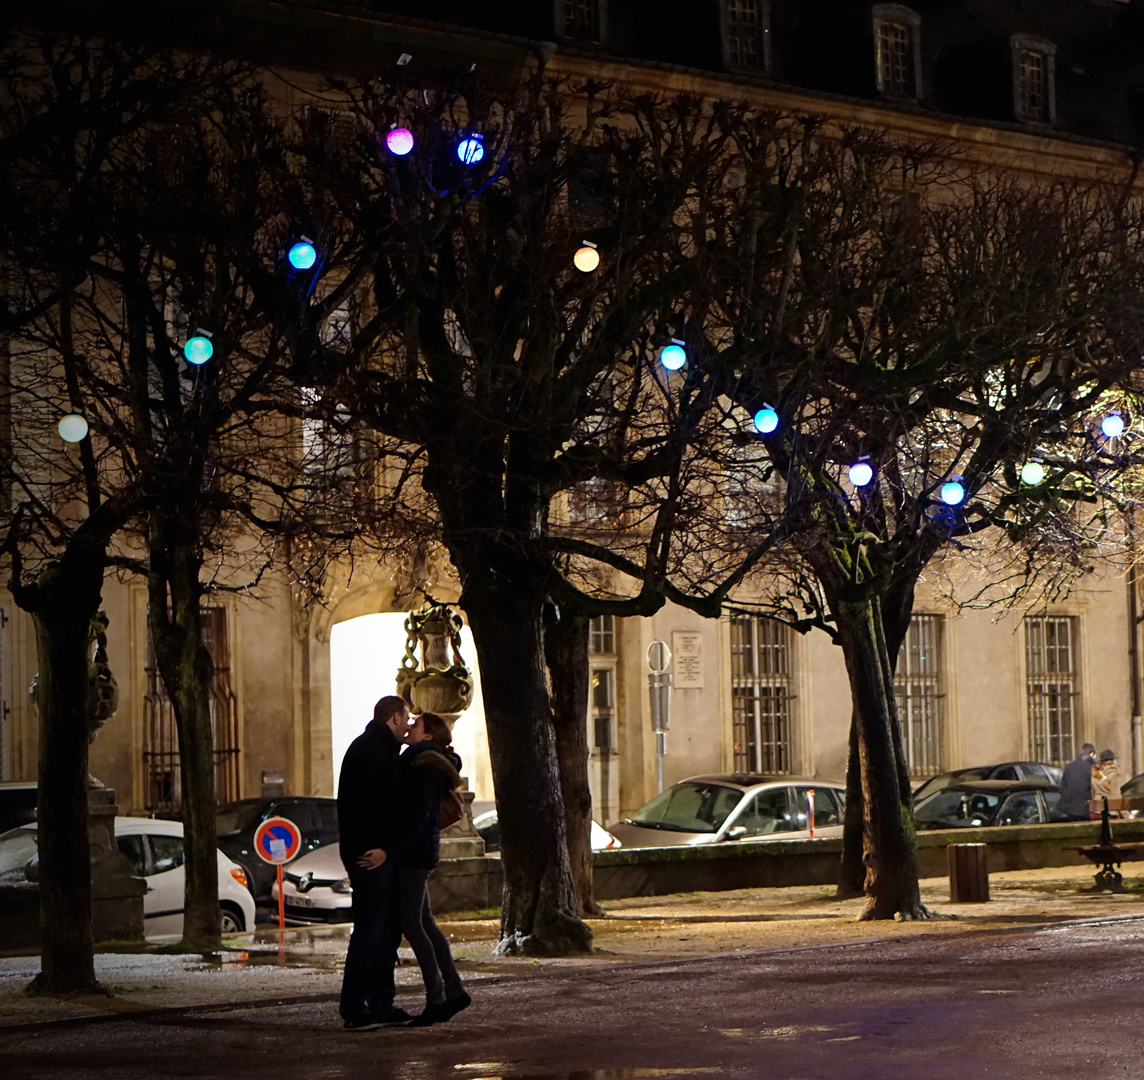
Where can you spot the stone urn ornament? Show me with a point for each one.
(437, 684)
(440, 683)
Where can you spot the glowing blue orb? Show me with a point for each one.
(302, 255)
(1032, 473)
(766, 420)
(399, 141)
(1112, 426)
(953, 493)
(198, 349)
(470, 150)
(860, 473)
(672, 357)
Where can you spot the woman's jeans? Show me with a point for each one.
(428, 943)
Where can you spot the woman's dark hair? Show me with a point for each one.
(436, 729)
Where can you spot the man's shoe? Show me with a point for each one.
(454, 1005)
(362, 1024)
(394, 1018)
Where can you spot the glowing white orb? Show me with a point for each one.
(860, 473)
(73, 428)
(1032, 473)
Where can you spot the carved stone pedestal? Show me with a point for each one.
(116, 895)
(460, 840)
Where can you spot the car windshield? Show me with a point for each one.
(16, 848)
(237, 817)
(1134, 787)
(958, 809)
(692, 806)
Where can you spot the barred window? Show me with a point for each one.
(761, 694)
(582, 20)
(896, 47)
(1033, 86)
(162, 783)
(1051, 681)
(917, 686)
(747, 34)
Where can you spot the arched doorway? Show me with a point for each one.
(365, 653)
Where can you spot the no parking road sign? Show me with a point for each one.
(277, 840)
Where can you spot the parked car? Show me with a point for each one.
(1035, 772)
(488, 829)
(154, 849)
(717, 808)
(315, 888)
(316, 818)
(983, 803)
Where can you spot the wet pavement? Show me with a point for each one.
(1044, 982)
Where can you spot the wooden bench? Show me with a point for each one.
(1108, 854)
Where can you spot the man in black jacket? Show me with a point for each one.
(369, 816)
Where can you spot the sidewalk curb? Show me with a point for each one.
(557, 972)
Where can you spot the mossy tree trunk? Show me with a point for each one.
(185, 665)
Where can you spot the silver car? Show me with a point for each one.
(722, 807)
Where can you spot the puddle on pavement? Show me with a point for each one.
(509, 1070)
(238, 961)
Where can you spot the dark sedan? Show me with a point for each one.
(1035, 772)
(317, 821)
(984, 803)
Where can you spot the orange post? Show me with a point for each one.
(281, 905)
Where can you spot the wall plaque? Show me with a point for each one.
(687, 673)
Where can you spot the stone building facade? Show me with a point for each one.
(1052, 88)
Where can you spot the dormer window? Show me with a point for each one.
(1034, 70)
(897, 51)
(747, 34)
(581, 20)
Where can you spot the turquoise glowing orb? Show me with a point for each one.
(673, 357)
(198, 349)
(953, 493)
(302, 255)
(766, 421)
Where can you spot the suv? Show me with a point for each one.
(316, 818)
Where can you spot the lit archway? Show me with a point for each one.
(365, 654)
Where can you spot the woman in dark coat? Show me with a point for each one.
(429, 771)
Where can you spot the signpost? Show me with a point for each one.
(658, 688)
(277, 841)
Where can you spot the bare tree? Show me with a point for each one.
(147, 209)
(943, 326)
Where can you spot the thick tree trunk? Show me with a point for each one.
(540, 912)
(896, 617)
(852, 876)
(62, 604)
(889, 851)
(185, 664)
(566, 652)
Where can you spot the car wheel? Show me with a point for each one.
(230, 921)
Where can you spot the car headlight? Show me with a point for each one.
(342, 886)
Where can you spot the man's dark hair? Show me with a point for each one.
(1088, 748)
(387, 708)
